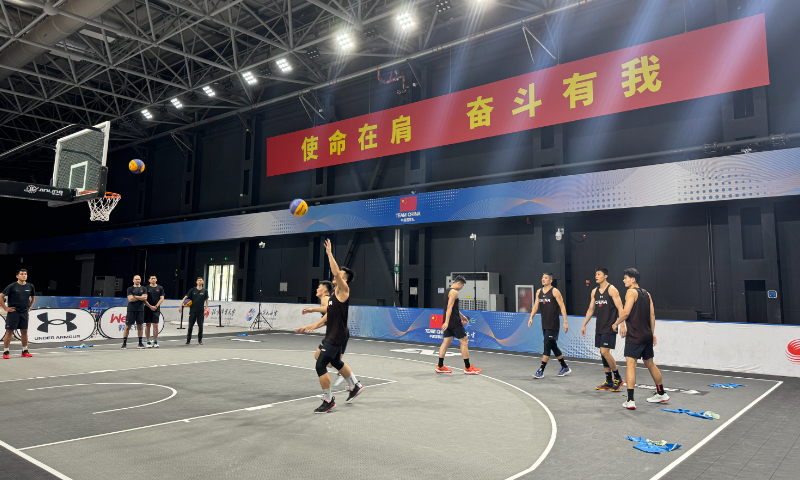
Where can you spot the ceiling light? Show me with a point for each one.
(442, 5)
(227, 84)
(283, 64)
(147, 114)
(177, 103)
(405, 20)
(265, 71)
(249, 78)
(370, 32)
(344, 40)
(209, 91)
(312, 52)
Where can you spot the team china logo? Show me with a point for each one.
(46, 322)
(793, 351)
(436, 321)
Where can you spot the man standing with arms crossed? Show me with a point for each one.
(21, 296)
(198, 295)
(546, 298)
(137, 295)
(606, 305)
(454, 327)
(152, 312)
(639, 333)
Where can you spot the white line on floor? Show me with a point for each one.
(184, 420)
(305, 368)
(553, 427)
(34, 461)
(713, 434)
(117, 370)
(174, 392)
(478, 352)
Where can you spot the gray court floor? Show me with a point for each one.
(243, 409)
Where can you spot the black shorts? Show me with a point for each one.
(456, 330)
(605, 340)
(331, 352)
(17, 321)
(134, 318)
(645, 352)
(550, 335)
(151, 316)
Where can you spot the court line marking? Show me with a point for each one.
(189, 420)
(306, 368)
(713, 434)
(115, 370)
(571, 361)
(174, 392)
(32, 460)
(553, 426)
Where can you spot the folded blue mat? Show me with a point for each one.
(82, 346)
(650, 446)
(242, 335)
(706, 415)
(726, 385)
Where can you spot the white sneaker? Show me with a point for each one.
(339, 380)
(630, 405)
(659, 398)
(155, 345)
(149, 345)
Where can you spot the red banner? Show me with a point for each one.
(719, 59)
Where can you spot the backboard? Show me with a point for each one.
(81, 162)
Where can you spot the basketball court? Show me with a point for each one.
(245, 409)
(383, 176)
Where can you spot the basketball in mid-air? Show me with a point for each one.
(136, 166)
(298, 207)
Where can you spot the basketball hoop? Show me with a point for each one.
(100, 207)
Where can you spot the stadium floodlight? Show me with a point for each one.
(209, 91)
(176, 103)
(249, 78)
(443, 5)
(405, 20)
(283, 64)
(147, 114)
(344, 40)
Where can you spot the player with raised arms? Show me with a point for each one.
(336, 336)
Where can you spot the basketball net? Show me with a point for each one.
(100, 207)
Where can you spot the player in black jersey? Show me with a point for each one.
(324, 291)
(546, 299)
(152, 310)
(453, 326)
(639, 333)
(17, 299)
(336, 336)
(605, 305)
(137, 296)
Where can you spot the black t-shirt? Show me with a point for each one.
(336, 332)
(198, 298)
(549, 308)
(138, 305)
(154, 294)
(19, 296)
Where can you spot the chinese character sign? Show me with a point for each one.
(654, 73)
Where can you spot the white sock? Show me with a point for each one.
(352, 381)
(25, 348)
(326, 395)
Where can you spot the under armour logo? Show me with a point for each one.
(46, 322)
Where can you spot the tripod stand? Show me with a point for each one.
(260, 317)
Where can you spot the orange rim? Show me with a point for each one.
(108, 194)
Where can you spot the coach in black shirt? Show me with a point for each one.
(137, 296)
(20, 295)
(199, 298)
(152, 311)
